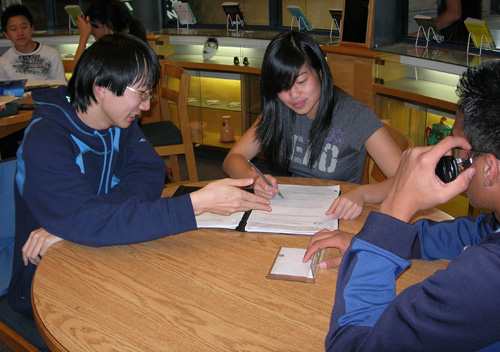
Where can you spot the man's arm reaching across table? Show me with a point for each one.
(225, 197)
(222, 197)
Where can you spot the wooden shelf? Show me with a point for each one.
(427, 93)
(222, 106)
(351, 51)
(221, 63)
(213, 139)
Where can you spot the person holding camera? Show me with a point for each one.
(456, 308)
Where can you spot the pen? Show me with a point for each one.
(256, 169)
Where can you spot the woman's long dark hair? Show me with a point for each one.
(113, 14)
(284, 57)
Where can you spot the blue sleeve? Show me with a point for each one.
(65, 204)
(143, 169)
(447, 239)
(453, 307)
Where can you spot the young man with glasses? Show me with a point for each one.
(455, 309)
(87, 174)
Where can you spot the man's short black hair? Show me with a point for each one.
(16, 10)
(115, 61)
(478, 91)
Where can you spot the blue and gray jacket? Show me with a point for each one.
(92, 187)
(453, 310)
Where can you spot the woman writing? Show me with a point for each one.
(310, 128)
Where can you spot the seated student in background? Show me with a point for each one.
(87, 174)
(455, 309)
(450, 19)
(310, 128)
(27, 59)
(451, 16)
(106, 17)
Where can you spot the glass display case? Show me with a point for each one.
(212, 97)
(316, 11)
(416, 89)
(424, 125)
(456, 33)
(226, 84)
(187, 45)
(411, 86)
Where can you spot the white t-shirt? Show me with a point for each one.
(42, 64)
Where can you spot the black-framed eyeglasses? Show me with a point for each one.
(145, 96)
(450, 166)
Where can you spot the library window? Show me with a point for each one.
(450, 15)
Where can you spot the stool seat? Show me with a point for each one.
(162, 133)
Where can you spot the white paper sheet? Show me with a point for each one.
(289, 263)
(4, 99)
(302, 211)
(209, 220)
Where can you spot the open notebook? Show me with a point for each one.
(301, 212)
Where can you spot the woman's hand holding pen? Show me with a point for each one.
(269, 188)
(348, 205)
(261, 188)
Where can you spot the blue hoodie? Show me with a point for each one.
(455, 309)
(96, 188)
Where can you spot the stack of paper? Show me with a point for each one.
(301, 211)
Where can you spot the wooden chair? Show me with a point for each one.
(14, 341)
(168, 139)
(371, 170)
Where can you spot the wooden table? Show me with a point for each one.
(14, 123)
(200, 290)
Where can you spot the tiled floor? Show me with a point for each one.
(209, 163)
